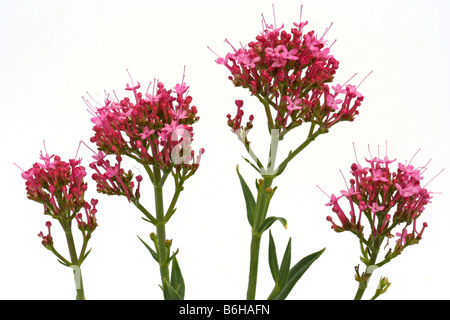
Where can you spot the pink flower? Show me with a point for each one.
(151, 98)
(147, 133)
(133, 88)
(408, 191)
(332, 102)
(402, 236)
(293, 105)
(376, 208)
(181, 89)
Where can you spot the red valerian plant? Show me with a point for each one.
(289, 71)
(381, 199)
(60, 187)
(156, 131)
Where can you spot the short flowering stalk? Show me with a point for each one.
(155, 131)
(384, 203)
(289, 72)
(61, 188)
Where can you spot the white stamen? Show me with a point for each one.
(81, 141)
(301, 9)
(323, 191)
(18, 166)
(368, 146)
(433, 178)
(354, 150)
(78, 150)
(349, 79)
(343, 177)
(364, 79)
(413, 157)
(274, 19)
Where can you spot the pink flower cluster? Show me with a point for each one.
(114, 180)
(290, 71)
(61, 188)
(374, 192)
(154, 130)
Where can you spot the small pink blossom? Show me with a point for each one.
(376, 208)
(408, 191)
(293, 105)
(147, 133)
(332, 102)
(402, 237)
(181, 89)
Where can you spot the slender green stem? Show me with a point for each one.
(171, 209)
(368, 273)
(161, 226)
(149, 216)
(74, 258)
(254, 259)
(265, 102)
(262, 205)
(311, 138)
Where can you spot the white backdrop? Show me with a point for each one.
(53, 52)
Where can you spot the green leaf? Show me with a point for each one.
(249, 199)
(273, 262)
(250, 163)
(283, 275)
(153, 253)
(296, 273)
(282, 166)
(172, 256)
(269, 221)
(63, 263)
(84, 257)
(177, 280)
(169, 291)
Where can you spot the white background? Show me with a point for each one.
(53, 52)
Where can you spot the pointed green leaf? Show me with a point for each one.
(62, 262)
(249, 199)
(177, 280)
(84, 257)
(269, 221)
(283, 275)
(169, 292)
(273, 262)
(153, 253)
(250, 163)
(172, 256)
(296, 273)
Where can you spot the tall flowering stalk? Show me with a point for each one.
(155, 131)
(384, 203)
(60, 187)
(289, 72)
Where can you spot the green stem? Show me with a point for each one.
(265, 102)
(311, 138)
(262, 205)
(161, 227)
(368, 273)
(254, 259)
(74, 258)
(171, 209)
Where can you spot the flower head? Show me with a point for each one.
(289, 70)
(156, 130)
(60, 187)
(144, 128)
(387, 198)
